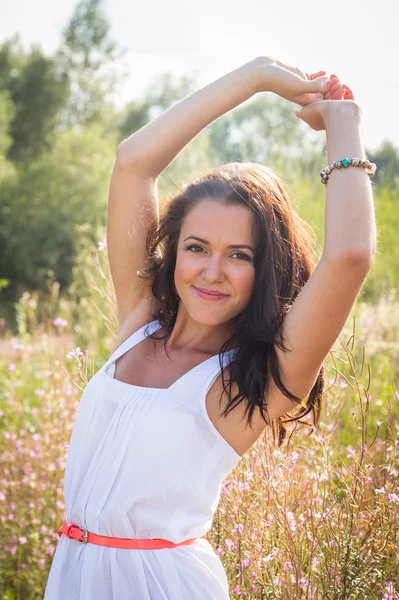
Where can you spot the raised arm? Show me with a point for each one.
(321, 309)
(151, 149)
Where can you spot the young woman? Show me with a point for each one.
(223, 330)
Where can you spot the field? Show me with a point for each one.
(317, 518)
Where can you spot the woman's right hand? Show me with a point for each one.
(315, 116)
(290, 82)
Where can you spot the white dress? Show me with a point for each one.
(143, 463)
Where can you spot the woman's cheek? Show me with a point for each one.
(185, 270)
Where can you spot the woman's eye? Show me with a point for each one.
(241, 255)
(194, 246)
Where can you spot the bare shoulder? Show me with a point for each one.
(138, 317)
(234, 427)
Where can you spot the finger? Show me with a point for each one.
(333, 82)
(335, 94)
(348, 93)
(334, 88)
(315, 75)
(318, 84)
(338, 94)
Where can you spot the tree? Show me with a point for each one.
(88, 59)
(44, 205)
(37, 94)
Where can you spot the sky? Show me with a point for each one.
(356, 40)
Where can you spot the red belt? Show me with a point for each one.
(77, 533)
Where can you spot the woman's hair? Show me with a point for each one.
(283, 264)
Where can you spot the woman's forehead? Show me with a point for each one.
(230, 224)
(209, 211)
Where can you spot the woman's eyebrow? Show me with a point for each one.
(194, 237)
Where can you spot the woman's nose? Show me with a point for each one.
(214, 270)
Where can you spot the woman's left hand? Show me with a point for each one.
(337, 90)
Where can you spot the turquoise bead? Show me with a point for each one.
(345, 162)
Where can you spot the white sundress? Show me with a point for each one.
(143, 463)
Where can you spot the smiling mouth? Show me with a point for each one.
(210, 295)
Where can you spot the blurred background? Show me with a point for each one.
(78, 77)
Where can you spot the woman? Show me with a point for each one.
(211, 346)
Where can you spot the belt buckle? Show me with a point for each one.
(85, 536)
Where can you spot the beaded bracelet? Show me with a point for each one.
(347, 162)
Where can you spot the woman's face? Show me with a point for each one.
(212, 264)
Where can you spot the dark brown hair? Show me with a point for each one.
(283, 264)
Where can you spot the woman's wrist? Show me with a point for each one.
(343, 133)
(342, 114)
(257, 68)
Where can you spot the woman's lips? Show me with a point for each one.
(206, 296)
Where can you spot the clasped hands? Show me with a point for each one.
(316, 93)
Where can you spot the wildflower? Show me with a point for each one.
(393, 498)
(270, 556)
(236, 590)
(287, 565)
(60, 322)
(294, 457)
(230, 545)
(351, 451)
(75, 353)
(390, 592)
(246, 562)
(102, 245)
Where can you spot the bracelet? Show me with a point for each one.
(348, 162)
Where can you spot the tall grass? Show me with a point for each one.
(316, 519)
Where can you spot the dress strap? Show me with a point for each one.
(132, 340)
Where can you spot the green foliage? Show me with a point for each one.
(7, 112)
(386, 157)
(38, 96)
(43, 204)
